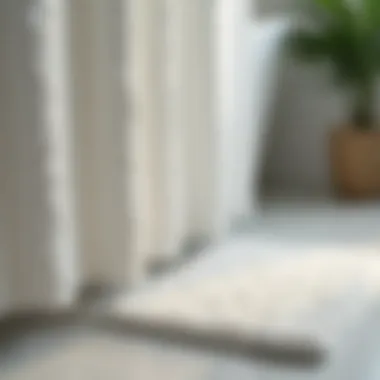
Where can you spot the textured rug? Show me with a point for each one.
(297, 308)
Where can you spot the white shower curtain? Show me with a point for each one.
(183, 73)
(38, 261)
(118, 147)
(171, 145)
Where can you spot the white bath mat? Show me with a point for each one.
(322, 300)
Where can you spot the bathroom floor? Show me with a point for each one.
(284, 227)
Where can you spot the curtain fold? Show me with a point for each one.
(121, 146)
(38, 255)
(184, 80)
(171, 145)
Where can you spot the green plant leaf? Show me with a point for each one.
(371, 13)
(346, 34)
(338, 8)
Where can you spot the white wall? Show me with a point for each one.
(306, 109)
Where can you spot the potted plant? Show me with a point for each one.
(346, 34)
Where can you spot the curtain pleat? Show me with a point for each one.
(172, 169)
